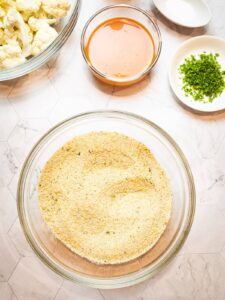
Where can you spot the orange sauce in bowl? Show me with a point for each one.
(120, 48)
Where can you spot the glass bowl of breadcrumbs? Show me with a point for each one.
(45, 240)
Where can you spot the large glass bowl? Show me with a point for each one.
(64, 28)
(57, 256)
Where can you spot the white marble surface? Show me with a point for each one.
(64, 87)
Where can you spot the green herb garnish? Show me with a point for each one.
(203, 77)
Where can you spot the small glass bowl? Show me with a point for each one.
(70, 265)
(117, 11)
(64, 28)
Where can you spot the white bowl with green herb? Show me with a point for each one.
(197, 73)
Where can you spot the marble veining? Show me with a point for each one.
(29, 106)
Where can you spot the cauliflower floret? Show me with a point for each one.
(39, 14)
(25, 28)
(35, 24)
(56, 8)
(11, 56)
(14, 20)
(43, 38)
(28, 5)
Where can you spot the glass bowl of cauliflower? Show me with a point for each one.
(31, 32)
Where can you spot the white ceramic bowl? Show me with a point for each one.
(188, 13)
(197, 45)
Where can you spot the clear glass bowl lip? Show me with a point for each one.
(133, 78)
(114, 282)
(36, 62)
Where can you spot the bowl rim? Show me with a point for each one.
(124, 280)
(36, 62)
(135, 77)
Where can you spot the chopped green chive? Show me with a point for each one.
(202, 76)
